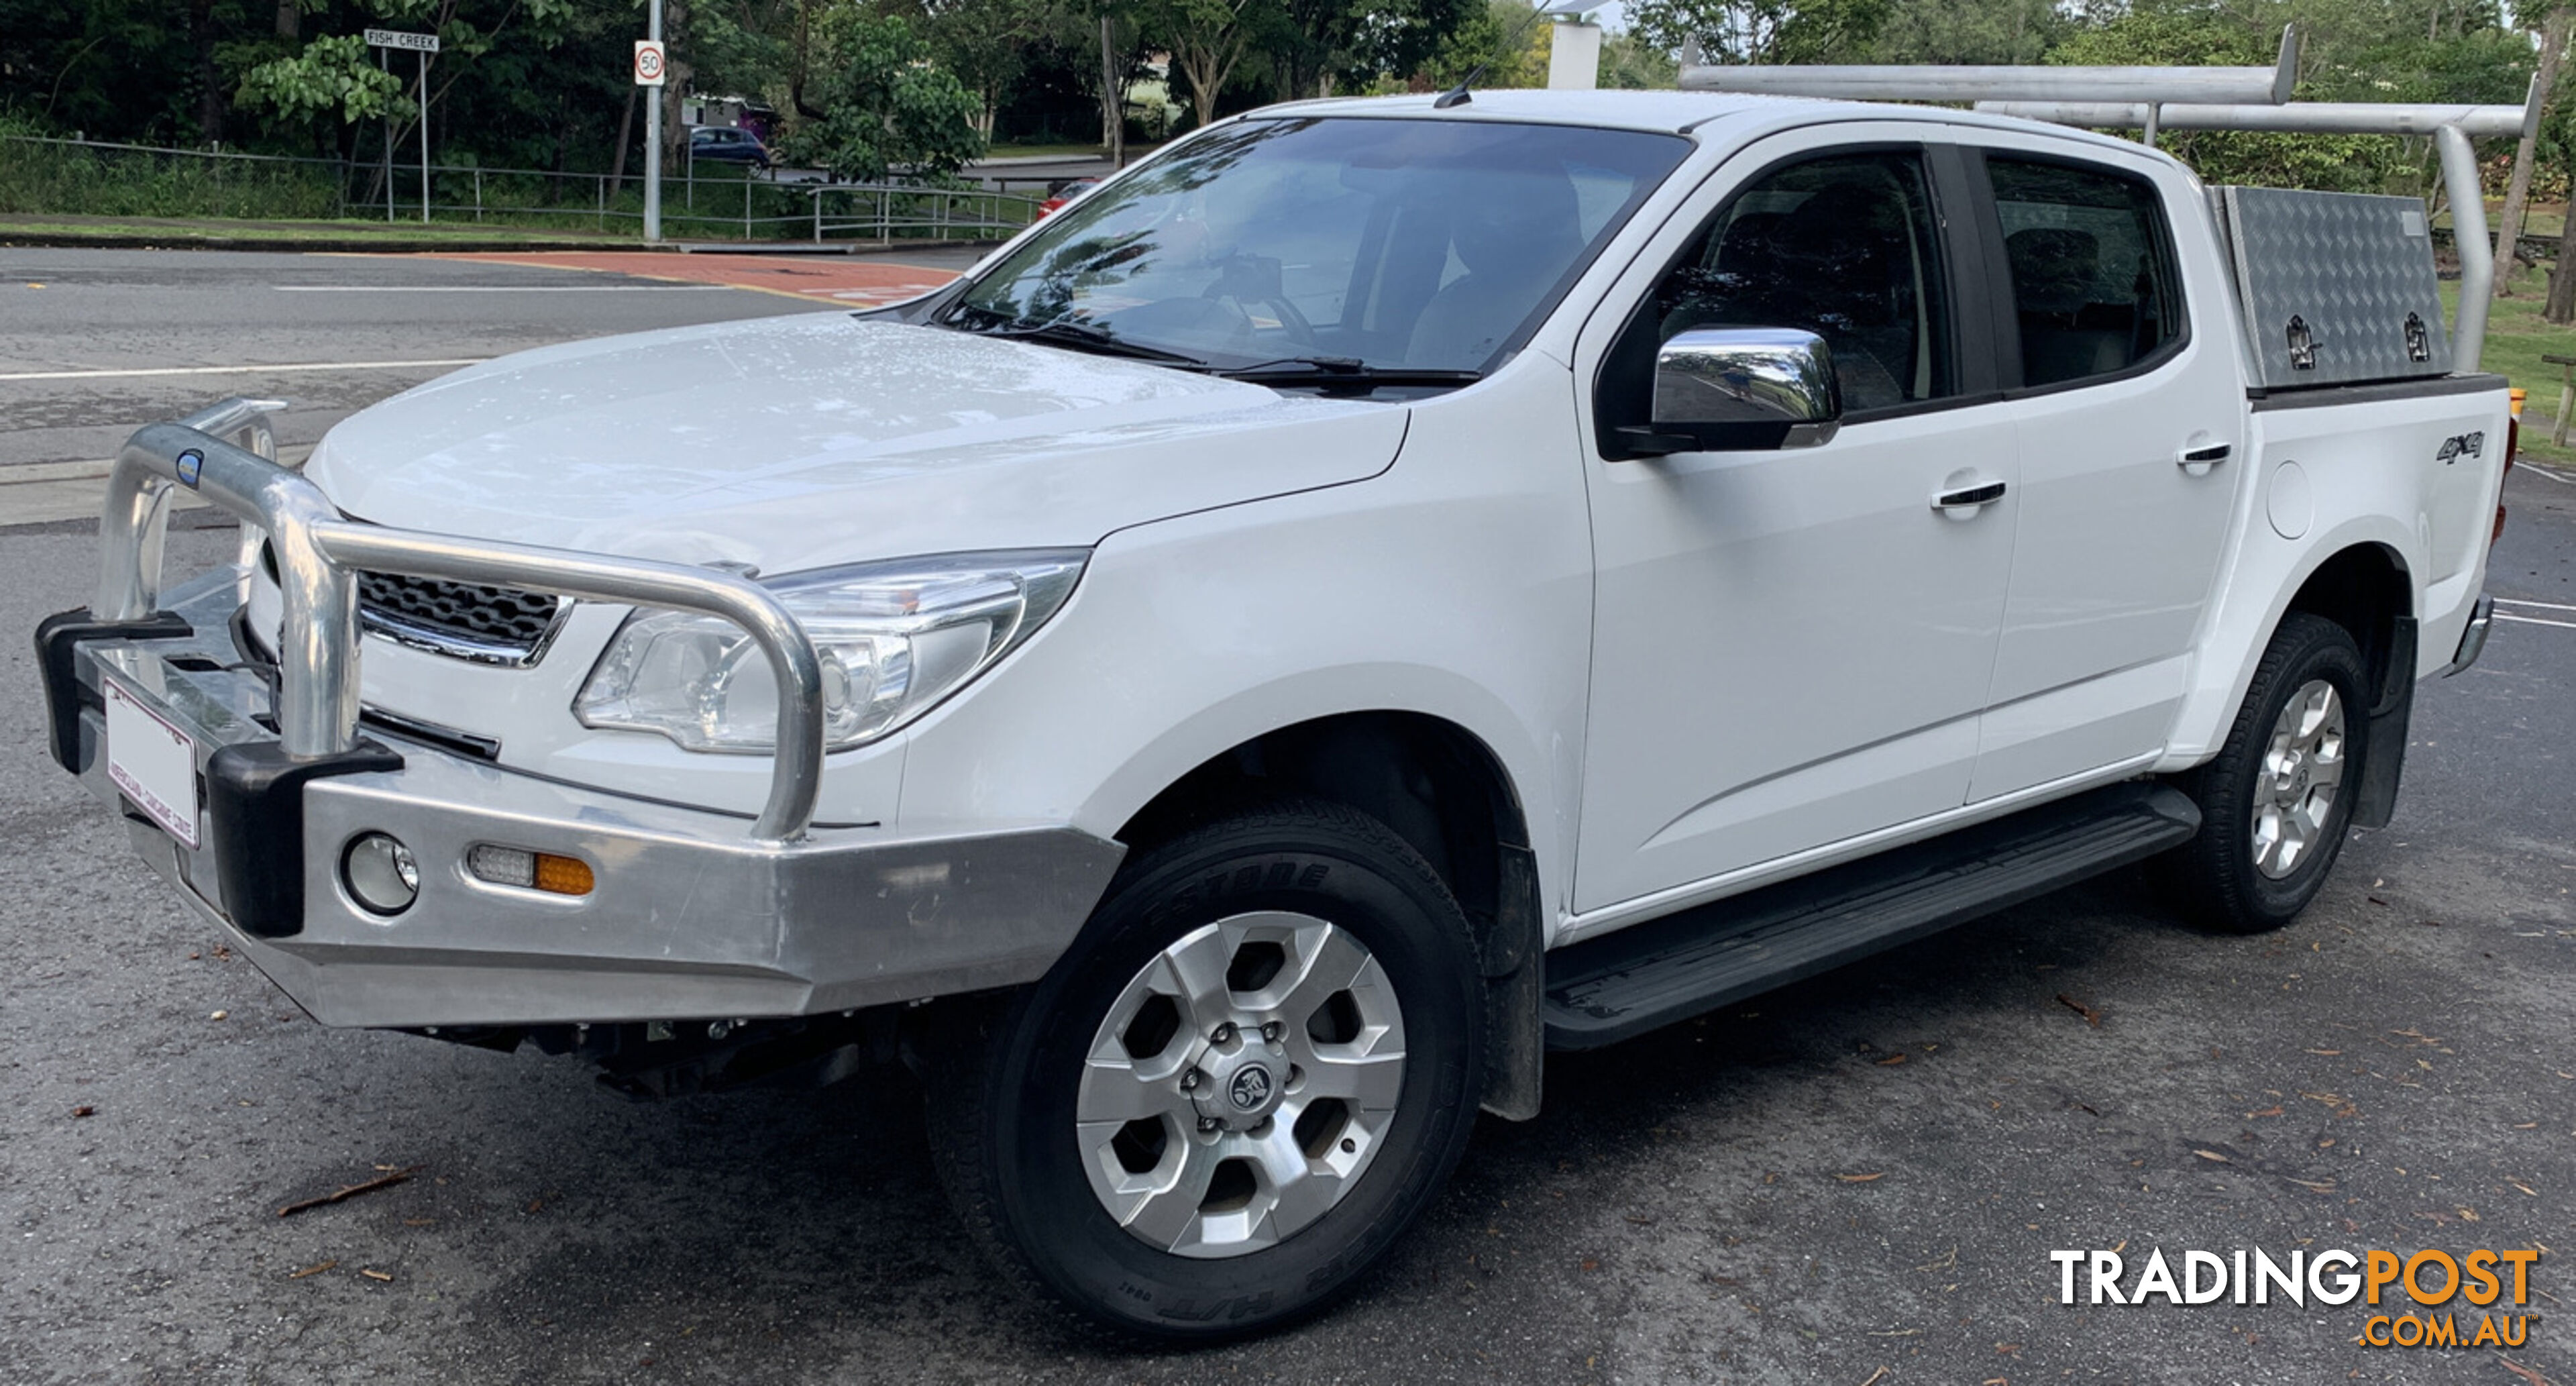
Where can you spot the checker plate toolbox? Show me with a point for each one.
(2333, 288)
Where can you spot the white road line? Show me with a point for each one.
(498, 288)
(2545, 474)
(2534, 621)
(2546, 606)
(244, 370)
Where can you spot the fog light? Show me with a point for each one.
(526, 870)
(380, 873)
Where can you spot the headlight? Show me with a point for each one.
(894, 638)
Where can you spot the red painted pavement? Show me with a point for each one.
(834, 279)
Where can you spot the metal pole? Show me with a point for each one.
(389, 142)
(653, 136)
(2469, 238)
(2298, 117)
(424, 136)
(2148, 135)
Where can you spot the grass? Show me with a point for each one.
(2516, 340)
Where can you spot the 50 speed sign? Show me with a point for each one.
(648, 62)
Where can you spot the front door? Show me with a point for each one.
(1792, 647)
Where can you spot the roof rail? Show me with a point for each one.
(2269, 86)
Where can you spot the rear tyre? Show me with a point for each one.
(2277, 800)
(1245, 1080)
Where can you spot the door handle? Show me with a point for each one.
(1969, 497)
(2198, 461)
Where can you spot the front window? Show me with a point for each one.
(1362, 246)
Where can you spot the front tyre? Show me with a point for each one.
(2277, 800)
(1243, 1082)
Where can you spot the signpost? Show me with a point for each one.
(384, 40)
(651, 70)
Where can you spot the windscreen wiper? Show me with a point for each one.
(1070, 332)
(1345, 372)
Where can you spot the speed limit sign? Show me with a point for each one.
(648, 62)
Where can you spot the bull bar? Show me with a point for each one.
(690, 917)
(319, 551)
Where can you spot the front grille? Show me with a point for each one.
(501, 624)
(491, 625)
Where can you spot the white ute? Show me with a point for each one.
(1379, 590)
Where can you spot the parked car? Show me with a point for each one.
(1370, 595)
(724, 144)
(1072, 189)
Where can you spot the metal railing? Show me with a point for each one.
(703, 200)
(320, 551)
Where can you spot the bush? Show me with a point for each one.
(77, 180)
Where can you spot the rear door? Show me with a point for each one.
(1792, 647)
(2121, 362)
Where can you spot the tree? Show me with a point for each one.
(333, 77)
(1763, 31)
(1209, 40)
(2553, 47)
(1968, 31)
(986, 44)
(884, 107)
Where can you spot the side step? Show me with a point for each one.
(1669, 969)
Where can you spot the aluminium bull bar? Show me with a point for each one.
(686, 917)
(319, 552)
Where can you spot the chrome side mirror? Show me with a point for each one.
(1741, 388)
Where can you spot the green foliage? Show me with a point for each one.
(117, 183)
(884, 106)
(1969, 31)
(1507, 39)
(1764, 31)
(333, 76)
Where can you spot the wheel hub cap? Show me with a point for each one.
(1240, 1084)
(2300, 775)
(1242, 1087)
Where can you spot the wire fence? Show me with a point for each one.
(41, 175)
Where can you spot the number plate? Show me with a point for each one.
(152, 762)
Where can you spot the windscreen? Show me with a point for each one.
(1387, 244)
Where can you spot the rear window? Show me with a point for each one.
(2094, 287)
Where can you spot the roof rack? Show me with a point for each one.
(1941, 82)
(2153, 99)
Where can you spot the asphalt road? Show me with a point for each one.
(78, 328)
(1767, 1196)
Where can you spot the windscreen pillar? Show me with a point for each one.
(1574, 54)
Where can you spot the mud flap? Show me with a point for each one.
(2383, 746)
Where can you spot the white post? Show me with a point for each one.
(424, 135)
(653, 136)
(389, 139)
(1574, 54)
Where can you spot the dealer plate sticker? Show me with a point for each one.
(154, 763)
